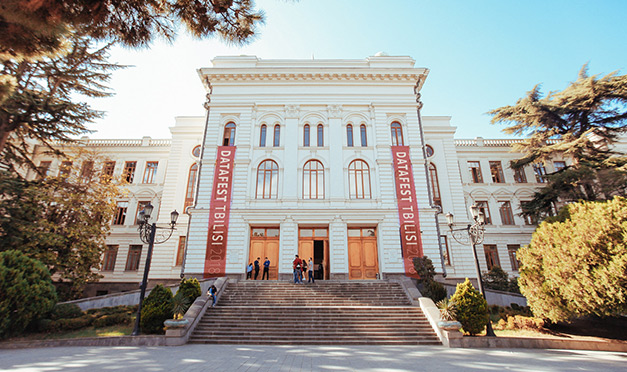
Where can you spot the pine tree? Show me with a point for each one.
(580, 123)
(43, 104)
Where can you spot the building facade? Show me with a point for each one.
(328, 159)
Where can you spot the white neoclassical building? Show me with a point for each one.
(328, 159)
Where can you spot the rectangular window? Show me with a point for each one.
(180, 252)
(129, 171)
(150, 171)
(120, 213)
(520, 176)
(475, 171)
(134, 255)
(483, 208)
(65, 168)
(110, 255)
(87, 170)
(512, 250)
(140, 207)
(44, 169)
(540, 172)
(507, 217)
(445, 251)
(496, 170)
(559, 165)
(491, 256)
(107, 170)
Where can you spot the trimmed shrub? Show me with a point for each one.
(424, 268)
(434, 290)
(66, 311)
(109, 320)
(472, 308)
(46, 325)
(26, 292)
(73, 323)
(496, 279)
(521, 322)
(156, 308)
(190, 289)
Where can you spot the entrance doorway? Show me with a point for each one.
(314, 242)
(264, 242)
(362, 253)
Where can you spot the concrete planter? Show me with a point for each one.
(449, 325)
(176, 323)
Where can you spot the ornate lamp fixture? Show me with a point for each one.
(473, 235)
(147, 233)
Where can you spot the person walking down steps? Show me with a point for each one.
(297, 270)
(213, 293)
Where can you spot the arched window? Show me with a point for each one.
(397, 134)
(277, 135)
(196, 151)
(320, 135)
(229, 135)
(359, 180)
(262, 136)
(429, 151)
(362, 132)
(435, 185)
(306, 136)
(267, 180)
(191, 186)
(313, 180)
(349, 135)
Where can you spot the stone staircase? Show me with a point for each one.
(325, 313)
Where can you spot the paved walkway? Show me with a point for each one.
(306, 358)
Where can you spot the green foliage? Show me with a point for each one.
(424, 268)
(61, 221)
(520, 322)
(26, 292)
(180, 304)
(190, 289)
(499, 280)
(66, 311)
(74, 323)
(434, 290)
(109, 320)
(580, 123)
(448, 309)
(29, 29)
(472, 308)
(157, 308)
(578, 267)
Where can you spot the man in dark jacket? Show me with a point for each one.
(266, 269)
(256, 268)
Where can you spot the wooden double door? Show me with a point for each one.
(264, 242)
(363, 262)
(314, 243)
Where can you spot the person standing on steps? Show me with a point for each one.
(257, 268)
(298, 263)
(249, 271)
(266, 269)
(311, 271)
(304, 271)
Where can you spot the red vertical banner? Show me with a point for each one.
(215, 257)
(411, 242)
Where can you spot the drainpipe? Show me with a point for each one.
(437, 208)
(200, 162)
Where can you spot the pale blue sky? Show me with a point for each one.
(481, 55)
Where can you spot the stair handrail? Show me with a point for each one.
(180, 336)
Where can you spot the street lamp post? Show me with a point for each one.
(474, 235)
(147, 233)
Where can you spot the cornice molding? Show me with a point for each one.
(314, 76)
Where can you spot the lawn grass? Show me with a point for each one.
(110, 331)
